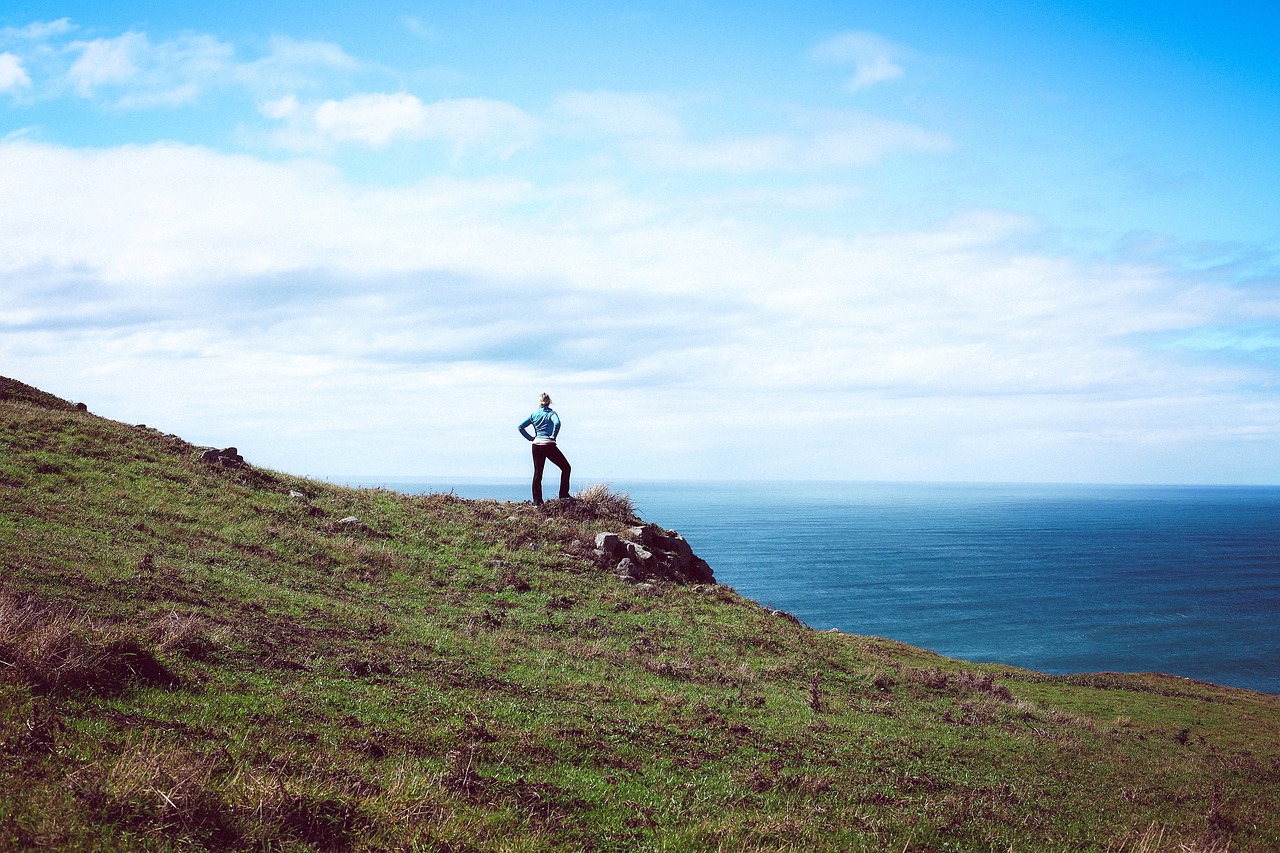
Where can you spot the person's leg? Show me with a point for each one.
(556, 456)
(539, 460)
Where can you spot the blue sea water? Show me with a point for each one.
(1061, 579)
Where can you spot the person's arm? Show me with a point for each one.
(555, 430)
(526, 435)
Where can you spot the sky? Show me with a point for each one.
(916, 241)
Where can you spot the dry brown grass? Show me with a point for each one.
(56, 652)
(961, 682)
(600, 501)
(1154, 840)
(190, 635)
(164, 788)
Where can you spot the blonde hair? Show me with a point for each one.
(544, 399)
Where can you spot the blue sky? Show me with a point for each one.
(916, 241)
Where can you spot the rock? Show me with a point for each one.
(699, 571)
(638, 553)
(350, 526)
(81, 407)
(676, 543)
(609, 543)
(649, 553)
(226, 458)
(643, 534)
(296, 494)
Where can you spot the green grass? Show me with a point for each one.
(192, 658)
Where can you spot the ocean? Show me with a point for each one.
(1061, 579)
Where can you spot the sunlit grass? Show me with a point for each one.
(450, 675)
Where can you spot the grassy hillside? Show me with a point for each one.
(199, 656)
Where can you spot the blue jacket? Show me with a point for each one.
(546, 426)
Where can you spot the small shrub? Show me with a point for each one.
(600, 502)
(961, 683)
(982, 683)
(817, 704)
(883, 681)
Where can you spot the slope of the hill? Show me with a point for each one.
(194, 655)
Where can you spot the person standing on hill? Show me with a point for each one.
(546, 426)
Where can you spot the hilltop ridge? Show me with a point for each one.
(232, 658)
(11, 390)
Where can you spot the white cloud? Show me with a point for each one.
(204, 289)
(649, 131)
(859, 139)
(38, 31)
(874, 59)
(132, 72)
(280, 108)
(292, 65)
(373, 119)
(618, 113)
(106, 61)
(12, 74)
(853, 141)
(377, 119)
(480, 122)
(749, 154)
(320, 319)
(418, 27)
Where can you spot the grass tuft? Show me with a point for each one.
(190, 635)
(599, 502)
(54, 652)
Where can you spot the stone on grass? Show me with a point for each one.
(228, 457)
(651, 553)
(609, 544)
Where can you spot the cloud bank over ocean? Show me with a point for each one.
(346, 258)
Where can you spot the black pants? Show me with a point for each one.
(541, 453)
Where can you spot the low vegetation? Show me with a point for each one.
(197, 656)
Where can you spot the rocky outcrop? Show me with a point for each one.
(648, 552)
(228, 457)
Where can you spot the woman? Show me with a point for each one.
(546, 426)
